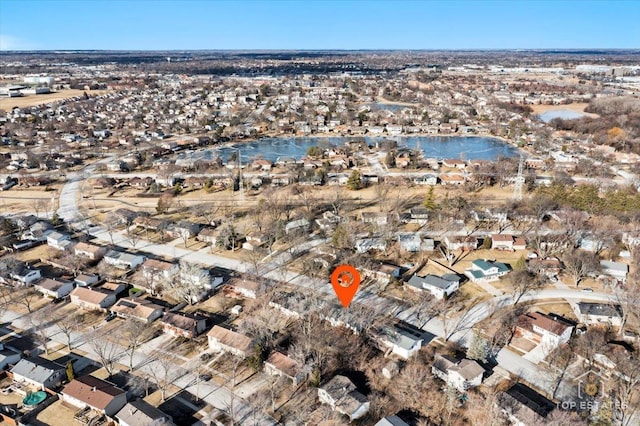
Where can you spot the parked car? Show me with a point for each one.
(110, 316)
(587, 290)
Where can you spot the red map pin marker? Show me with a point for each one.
(345, 280)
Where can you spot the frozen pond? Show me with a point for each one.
(469, 148)
(565, 114)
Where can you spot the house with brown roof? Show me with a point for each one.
(461, 374)
(342, 396)
(279, 364)
(54, 288)
(138, 309)
(92, 299)
(224, 340)
(97, 394)
(243, 287)
(548, 330)
(183, 324)
(88, 250)
(507, 242)
(154, 269)
(451, 179)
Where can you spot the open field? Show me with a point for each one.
(33, 100)
(577, 107)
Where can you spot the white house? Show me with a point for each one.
(409, 241)
(403, 340)
(58, 240)
(616, 270)
(26, 276)
(54, 288)
(461, 375)
(439, 287)
(8, 356)
(123, 260)
(363, 245)
(294, 225)
(486, 270)
(88, 250)
(548, 330)
(342, 396)
(599, 314)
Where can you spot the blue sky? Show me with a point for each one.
(147, 25)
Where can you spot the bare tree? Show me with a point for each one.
(107, 350)
(69, 324)
(135, 333)
(26, 297)
(524, 282)
(40, 322)
(579, 264)
(164, 371)
(189, 283)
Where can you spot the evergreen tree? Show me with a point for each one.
(354, 182)
(429, 202)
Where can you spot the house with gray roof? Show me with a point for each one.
(486, 270)
(599, 313)
(403, 339)
(460, 374)
(141, 413)
(123, 259)
(342, 396)
(38, 372)
(439, 287)
(391, 421)
(615, 270)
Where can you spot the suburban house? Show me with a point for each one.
(460, 374)
(342, 396)
(58, 240)
(486, 270)
(425, 179)
(199, 282)
(255, 240)
(382, 272)
(92, 299)
(616, 270)
(97, 394)
(243, 287)
(507, 242)
(54, 288)
(409, 241)
(141, 413)
(225, 340)
(451, 179)
(439, 287)
(183, 229)
(550, 266)
(156, 271)
(377, 218)
(208, 235)
(138, 309)
(599, 314)
(461, 243)
(88, 250)
(183, 324)
(38, 372)
(525, 406)
(296, 225)
(85, 280)
(548, 330)
(363, 245)
(403, 339)
(26, 275)
(278, 364)
(122, 259)
(8, 356)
